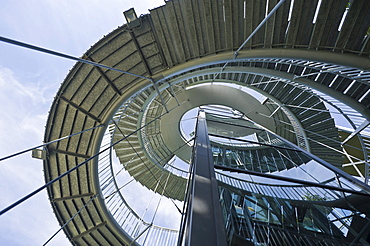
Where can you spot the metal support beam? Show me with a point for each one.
(111, 84)
(55, 53)
(251, 35)
(204, 222)
(358, 183)
(45, 144)
(249, 141)
(364, 124)
(330, 70)
(291, 180)
(60, 199)
(74, 168)
(312, 109)
(87, 232)
(258, 27)
(159, 94)
(78, 212)
(55, 150)
(79, 108)
(147, 67)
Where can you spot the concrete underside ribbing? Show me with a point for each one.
(184, 36)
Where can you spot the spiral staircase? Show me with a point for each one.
(307, 62)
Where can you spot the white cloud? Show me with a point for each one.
(22, 118)
(23, 112)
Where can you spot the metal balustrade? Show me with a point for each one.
(133, 224)
(125, 216)
(130, 222)
(255, 219)
(284, 191)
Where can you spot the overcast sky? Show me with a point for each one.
(28, 83)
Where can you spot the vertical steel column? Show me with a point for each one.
(205, 224)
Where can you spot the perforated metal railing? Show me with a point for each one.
(291, 191)
(146, 233)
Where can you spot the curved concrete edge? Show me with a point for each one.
(205, 95)
(342, 59)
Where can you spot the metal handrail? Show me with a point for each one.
(125, 216)
(288, 191)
